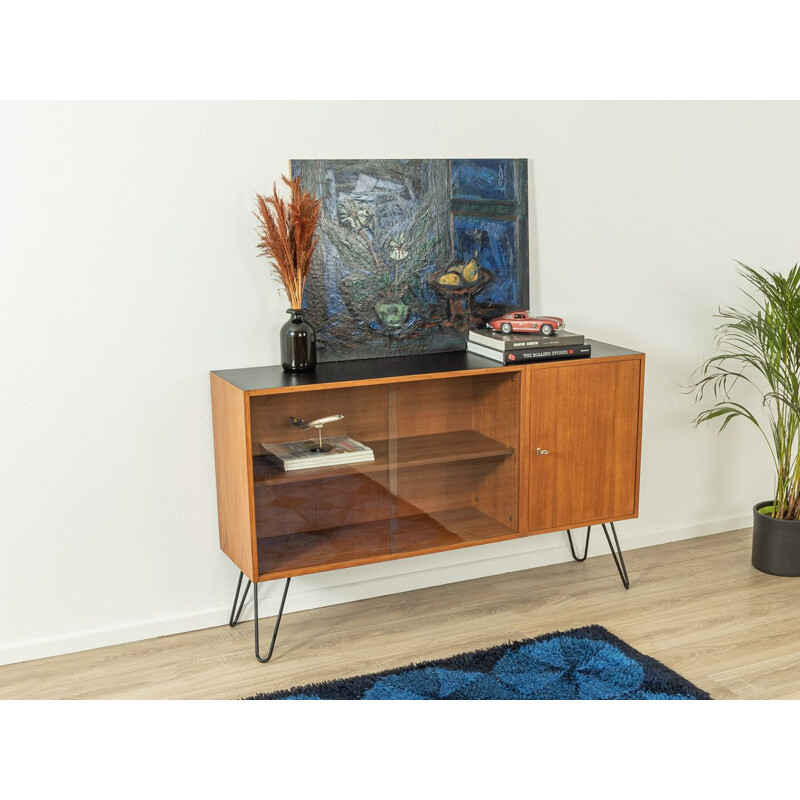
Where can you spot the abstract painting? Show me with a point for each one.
(412, 253)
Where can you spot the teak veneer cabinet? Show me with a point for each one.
(466, 452)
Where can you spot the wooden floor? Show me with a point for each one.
(697, 606)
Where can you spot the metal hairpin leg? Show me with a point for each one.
(615, 553)
(236, 613)
(571, 546)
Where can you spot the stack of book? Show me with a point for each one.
(306, 455)
(516, 348)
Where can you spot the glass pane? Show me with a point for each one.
(307, 518)
(443, 473)
(453, 461)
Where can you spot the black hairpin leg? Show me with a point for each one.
(572, 547)
(615, 553)
(236, 613)
(623, 572)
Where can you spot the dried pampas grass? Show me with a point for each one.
(287, 233)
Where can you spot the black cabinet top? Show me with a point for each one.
(253, 379)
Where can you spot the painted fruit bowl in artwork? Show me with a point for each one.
(458, 284)
(460, 279)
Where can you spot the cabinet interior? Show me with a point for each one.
(445, 472)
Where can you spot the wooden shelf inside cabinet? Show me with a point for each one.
(381, 540)
(411, 451)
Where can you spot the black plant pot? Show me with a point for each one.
(298, 343)
(776, 543)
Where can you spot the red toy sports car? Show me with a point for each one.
(524, 322)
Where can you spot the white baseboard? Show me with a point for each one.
(359, 583)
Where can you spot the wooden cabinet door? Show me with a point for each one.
(587, 417)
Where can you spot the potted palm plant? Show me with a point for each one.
(759, 347)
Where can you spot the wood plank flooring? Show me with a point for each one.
(697, 605)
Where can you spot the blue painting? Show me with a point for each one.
(414, 252)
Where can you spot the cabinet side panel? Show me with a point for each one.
(639, 437)
(233, 477)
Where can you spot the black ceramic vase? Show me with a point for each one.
(776, 543)
(298, 343)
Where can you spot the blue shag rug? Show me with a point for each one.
(582, 664)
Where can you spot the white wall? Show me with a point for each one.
(128, 263)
